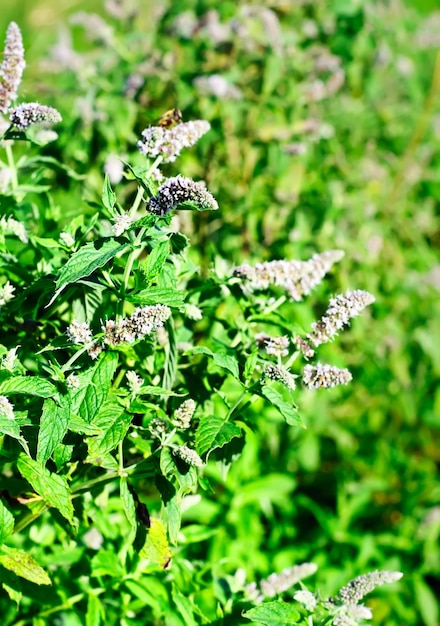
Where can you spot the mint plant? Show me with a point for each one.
(127, 372)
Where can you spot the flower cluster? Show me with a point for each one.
(277, 346)
(9, 226)
(6, 293)
(121, 223)
(338, 314)
(298, 278)
(134, 381)
(178, 190)
(183, 415)
(189, 456)
(6, 408)
(168, 142)
(79, 333)
(32, 113)
(345, 605)
(278, 583)
(280, 374)
(11, 69)
(140, 323)
(324, 375)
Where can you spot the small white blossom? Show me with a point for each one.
(280, 374)
(178, 190)
(277, 346)
(356, 589)
(114, 168)
(6, 408)
(183, 415)
(12, 227)
(134, 381)
(307, 599)
(8, 361)
(32, 113)
(121, 224)
(73, 382)
(67, 240)
(142, 322)
(11, 69)
(6, 293)
(168, 142)
(79, 333)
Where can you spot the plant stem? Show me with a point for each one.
(11, 164)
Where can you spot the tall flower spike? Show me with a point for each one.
(341, 309)
(298, 278)
(178, 190)
(32, 113)
(356, 589)
(11, 69)
(168, 142)
(324, 375)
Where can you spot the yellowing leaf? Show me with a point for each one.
(157, 548)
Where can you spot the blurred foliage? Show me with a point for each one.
(328, 138)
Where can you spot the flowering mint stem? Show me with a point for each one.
(76, 356)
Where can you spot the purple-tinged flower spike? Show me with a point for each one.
(168, 142)
(142, 322)
(189, 456)
(277, 346)
(278, 583)
(298, 278)
(356, 589)
(341, 309)
(178, 190)
(11, 69)
(280, 374)
(324, 375)
(184, 414)
(32, 113)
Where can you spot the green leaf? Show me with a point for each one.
(273, 614)
(6, 522)
(224, 361)
(85, 261)
(113, 423)
(94, 610)
(427, 602)
(95, 394)
(158, 295)
(51, 487)
(184, 606)
(128, 503)
(108, 195)
(11, 428)
(155, 261)
(288, 411)
(53, 426)
(167, 464)
(156, 547)
(29, 385)
(213, 432)
(24, 565)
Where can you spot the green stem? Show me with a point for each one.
(76, 356)
(11, 164)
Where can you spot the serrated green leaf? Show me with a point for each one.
(128, 503)
(173, 518)
(167, 464)
(288, 411)
(113, 423)
(213, 432)
(274, 614)
(24, 565)
(11, 428)
(52, 488)
(225, 361)
(156, 547)
(6, 523)
(53, 426)
(85, 261)
(29, 385)
(178, 242)
(156, 260)
(98, 389)
(108, 195)
(158, 295)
